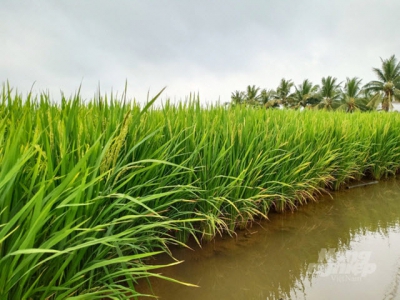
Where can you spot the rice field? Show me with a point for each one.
(90, 190)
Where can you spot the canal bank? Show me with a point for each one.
(344, 247)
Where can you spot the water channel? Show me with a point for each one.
(344, 247)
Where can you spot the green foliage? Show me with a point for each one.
(352, 99)
(89, 191)
(305, 93)
(283, 92)
(73, 220)
(329, 95)
(387, 88)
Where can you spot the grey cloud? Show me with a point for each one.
(194, 44)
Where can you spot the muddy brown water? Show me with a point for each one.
(344, 247)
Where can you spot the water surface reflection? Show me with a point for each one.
(347, 247)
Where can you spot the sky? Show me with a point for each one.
(208, 47)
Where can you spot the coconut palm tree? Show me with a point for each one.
(352, 99)
(304, 94)
(283, 92)
(237, 97)
(329, 93)
(252, 97)
(387, 88)
(267, 98)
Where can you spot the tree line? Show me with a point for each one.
(330, 95)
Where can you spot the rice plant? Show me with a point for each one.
(89, 191)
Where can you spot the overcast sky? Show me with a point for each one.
(209, 46)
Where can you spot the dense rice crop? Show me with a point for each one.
(89, 190)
